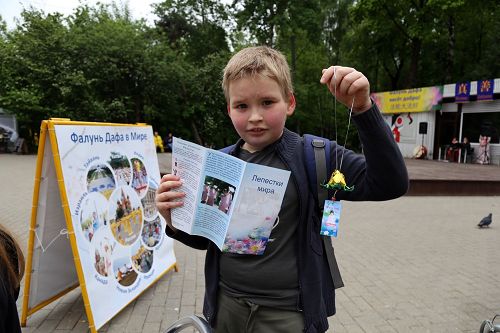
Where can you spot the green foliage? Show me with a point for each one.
(99, 64)
(422, 43)
(194, 30)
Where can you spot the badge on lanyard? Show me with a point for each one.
(331, 218)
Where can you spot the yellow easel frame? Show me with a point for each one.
(48, 128)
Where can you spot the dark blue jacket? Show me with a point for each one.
(379, 174)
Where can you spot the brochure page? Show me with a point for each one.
(256, 209)
(229, 201)
(221, 184)
(188, 160)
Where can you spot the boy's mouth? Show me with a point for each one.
(256, 130)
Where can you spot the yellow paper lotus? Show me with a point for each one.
(337, 182)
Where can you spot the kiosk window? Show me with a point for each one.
(485, 123)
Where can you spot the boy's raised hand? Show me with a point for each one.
(346, 83)
(166, 199)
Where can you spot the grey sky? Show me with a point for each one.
(11, 9)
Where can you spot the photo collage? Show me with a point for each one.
(119, 219)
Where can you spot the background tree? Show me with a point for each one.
(99, 64)
(34, 55)
(195, 30)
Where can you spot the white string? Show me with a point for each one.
(335, 115)
(61, 233)
(346, 134)
(348, 124)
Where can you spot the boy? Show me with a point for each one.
(289, 288)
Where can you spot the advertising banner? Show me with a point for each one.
(409, 100)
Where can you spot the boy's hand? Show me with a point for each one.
(166, 199)
(346, 83)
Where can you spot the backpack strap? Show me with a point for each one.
(317, 157)
(317, 166)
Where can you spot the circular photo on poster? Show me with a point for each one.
(122, 267)
(148, 201)
(100, 179)
(102, 254)
(139, 176)
(93, 214)
(152, 232)
(125, 215)
(121, 167)
(142, 258)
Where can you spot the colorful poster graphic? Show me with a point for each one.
(409, 100)
(110, 175)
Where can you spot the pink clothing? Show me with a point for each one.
(225, 201)
(211, 196)
(204, 194)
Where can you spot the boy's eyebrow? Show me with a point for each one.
(240, 99)
(237, 100)
(269, 97)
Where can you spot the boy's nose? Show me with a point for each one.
(255, 114)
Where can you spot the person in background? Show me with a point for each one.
(453, 150)
(169, 141)
(158, 143)
(36, 141)
(11, 274)
(483, 156)
(467, 150)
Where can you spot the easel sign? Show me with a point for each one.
(94, 223)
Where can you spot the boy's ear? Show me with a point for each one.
(291, 105)
(228, 109)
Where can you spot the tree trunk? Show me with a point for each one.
(416, 46)
(138, 110)
(196, 133)
(451, 50)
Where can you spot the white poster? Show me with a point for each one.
(111, 175)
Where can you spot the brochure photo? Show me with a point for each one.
(229, 201)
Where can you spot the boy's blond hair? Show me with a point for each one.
(258, 60)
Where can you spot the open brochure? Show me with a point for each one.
(231, 202)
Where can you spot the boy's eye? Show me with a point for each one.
(268, 102)
(241, 106)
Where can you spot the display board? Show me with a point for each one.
(94, 222)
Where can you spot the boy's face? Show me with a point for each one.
(258, 111)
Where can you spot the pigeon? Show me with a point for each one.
(485, 221)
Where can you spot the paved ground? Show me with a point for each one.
(415, 264)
